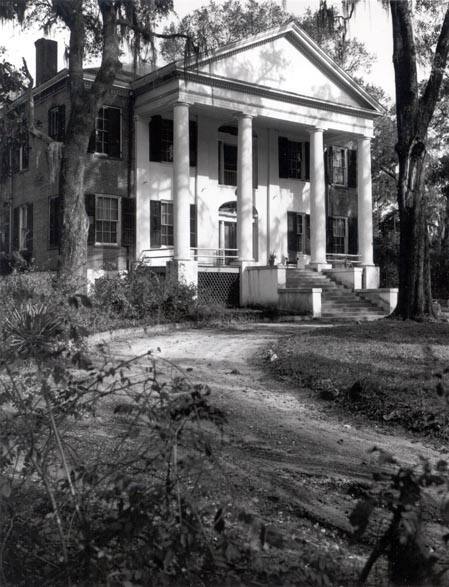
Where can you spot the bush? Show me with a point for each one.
(141, 294)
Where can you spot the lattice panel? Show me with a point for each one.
(218, 288)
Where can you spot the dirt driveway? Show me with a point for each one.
(293, 463)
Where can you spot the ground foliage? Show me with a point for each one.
(390, 371)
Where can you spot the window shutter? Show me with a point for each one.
(329, 233)
(283, 157)
(307, 160)
(329, 165)
(61, 123)
(155, 224)
(307, 247)
(255, 164)
(128, 222)
(291, 234)
(15, 229)
(15, 157)
(114, 116)
(352, 168)
(193, 142)
(193, 227)
(155, 138)
(353, 244)
(29, 234)
(220, 162)
(90, 211)
(25, 152)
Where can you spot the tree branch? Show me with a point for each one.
(432, 90)
(389, 172)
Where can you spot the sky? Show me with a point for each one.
(370, 24)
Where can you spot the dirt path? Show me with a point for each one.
(294, 460)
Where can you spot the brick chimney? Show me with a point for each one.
(46, 60)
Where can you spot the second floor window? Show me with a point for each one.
(342, 166)
(227, 162)
(56, 123)
(107, 136)
(161, 140)
(294, 159)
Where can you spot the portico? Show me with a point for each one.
(237, 137)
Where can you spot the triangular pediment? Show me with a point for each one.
(287, 60)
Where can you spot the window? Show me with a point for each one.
(294, 159)
(20, 154)
(342, 166)
(339, 231)
(167, 224)
(54, 222)
(161, 224)
(161, 140)
(106, 220)
(23, 228)
(227, 158)
(56, 123)
(107, 136)
(339, 166)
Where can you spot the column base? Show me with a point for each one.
(371, 277)
(319, 266)
(183, 272)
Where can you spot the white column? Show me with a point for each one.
(317, 201)
(141, 176)
(245, 188)
(181, 182)
(365, 201)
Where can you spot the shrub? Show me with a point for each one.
(141, 294)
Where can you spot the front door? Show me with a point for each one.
(298, 235)
(230, 241)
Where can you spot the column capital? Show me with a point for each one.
(181, 103)
(365, 138)
(316, 129)
(245, 115)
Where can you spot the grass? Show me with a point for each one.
(389, 371)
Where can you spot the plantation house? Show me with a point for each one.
(229, 171)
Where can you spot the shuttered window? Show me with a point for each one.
(161, 140)
(112, 220)
(294, 159)
(23, 228)
(342, 167)
(107, 136)
(106, 220)
(161, 224)
(56, 123)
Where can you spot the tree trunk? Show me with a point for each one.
(415, 297)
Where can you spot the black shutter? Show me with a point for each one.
(55, 221)
(307, 160)
(352, 168)
(329, 235)
(114, 116)
(61, 123)
(220, 163)
(193, 142)
(29, 233)
(255, 164)
(15, 157)
(353, 244)
(16, 228)
(90, 211)
(128, 222)
(283, 157)
(292, 241)
(307, 247)
(155, 138)
(329, 165)
(25, 152)
(155, 224)
(193, 227)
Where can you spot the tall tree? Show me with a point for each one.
(414, 112)
(100, 26)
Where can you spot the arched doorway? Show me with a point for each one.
(227, 241)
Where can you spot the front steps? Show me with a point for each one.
(337, 301)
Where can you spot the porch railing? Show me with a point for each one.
(209, 257)
(342, 259)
